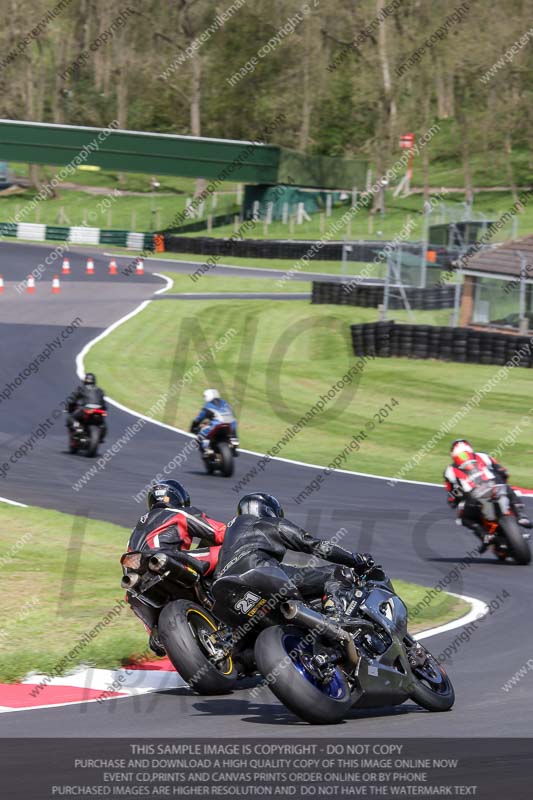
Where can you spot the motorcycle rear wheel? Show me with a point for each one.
(278, 653)
(209, 466)
(227, 459)
(182, 626)
(94, 441)
(518, 547)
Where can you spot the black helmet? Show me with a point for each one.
(168, 494)
(260, 504)
(90, 379)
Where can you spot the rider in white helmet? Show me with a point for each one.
(214, 412)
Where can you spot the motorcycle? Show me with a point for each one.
(87, 433)
(194, 639)
(321, 667)
(500, 520)
(221, 450)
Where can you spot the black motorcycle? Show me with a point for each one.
(87, 433)
(499, 516)
(196, 643)
(221, 450)
(321, 667)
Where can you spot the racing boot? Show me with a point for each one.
(486, 542)
(479, 531)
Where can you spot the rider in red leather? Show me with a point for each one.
(459, 486)
(173, 524)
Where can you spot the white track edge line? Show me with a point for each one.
(13, 502)
(478, 610)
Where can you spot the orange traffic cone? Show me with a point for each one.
(113, 267)
(30, 284)
(140, 267)
(56, 286)
(65, 269)
(89, 270)
(1, 284)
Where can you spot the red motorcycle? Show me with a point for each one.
(86, 435)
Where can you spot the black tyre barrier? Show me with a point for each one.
(275, 248)
(386, 339)
(365, 296)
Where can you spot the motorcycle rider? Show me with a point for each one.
(87, 393)
(459, 488)
(214, 411)
(172, 524)
(258, 539)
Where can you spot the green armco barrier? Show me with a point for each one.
(8, 229)
(118, 238)
(56, 233)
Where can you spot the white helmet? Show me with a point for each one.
(211, 394)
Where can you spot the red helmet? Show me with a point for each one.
(462, 452)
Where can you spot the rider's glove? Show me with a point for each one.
(363, 561)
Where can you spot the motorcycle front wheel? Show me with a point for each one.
(283, 655)
(518, 547)
(433, 689)
(186, 630)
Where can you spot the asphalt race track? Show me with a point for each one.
(407, 527)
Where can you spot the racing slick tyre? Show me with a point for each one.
(432, 688)
(226, 457)
(185, 629)
(94, 441)
(281, 655)
(518, 546)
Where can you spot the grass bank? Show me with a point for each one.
(279, 360)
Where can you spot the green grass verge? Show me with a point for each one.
(118, 212)
(214, 283)
(146, 212)
(63, 579)
(284, 355)
(399, 213)
(50, 604)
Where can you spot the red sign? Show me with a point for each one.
(407, 141)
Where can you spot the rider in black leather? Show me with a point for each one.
(258, 539)
(87, 393)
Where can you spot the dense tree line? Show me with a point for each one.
(349, 76)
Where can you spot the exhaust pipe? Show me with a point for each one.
(178, 571)
(130, 580)
(298, 612)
